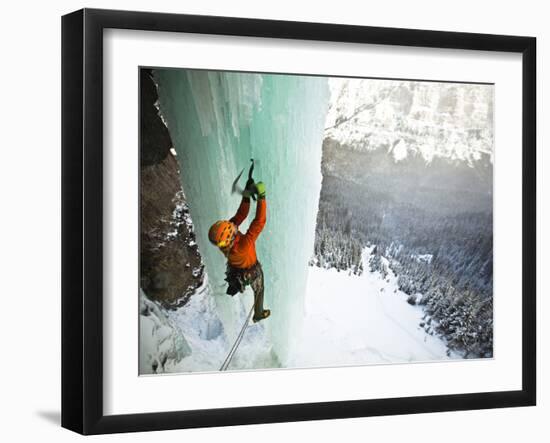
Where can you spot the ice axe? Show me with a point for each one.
(236, 188)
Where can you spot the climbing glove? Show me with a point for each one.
(260, 189)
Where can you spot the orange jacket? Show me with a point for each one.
(243, 252)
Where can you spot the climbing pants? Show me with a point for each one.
(239, 279)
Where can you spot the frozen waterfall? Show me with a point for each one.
(218, 121)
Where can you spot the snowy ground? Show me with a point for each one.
(352, 320)
(349, 320)
(203, 330)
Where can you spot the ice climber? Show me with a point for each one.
(243, 267)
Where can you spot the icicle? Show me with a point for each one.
(218, 121)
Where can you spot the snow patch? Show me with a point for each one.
(358, 320)
(423, 258)
(400, 151)
(209, 341)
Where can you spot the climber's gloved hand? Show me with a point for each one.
(250, 188)
(260, 190)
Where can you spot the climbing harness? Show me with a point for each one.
(239, 279)
(233, 349)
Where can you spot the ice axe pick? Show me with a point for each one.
(236, 188)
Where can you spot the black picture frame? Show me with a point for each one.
(82, 218)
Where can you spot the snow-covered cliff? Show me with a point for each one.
(450, 120)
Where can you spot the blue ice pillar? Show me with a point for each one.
(218, 121)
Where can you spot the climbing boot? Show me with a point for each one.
(266, 313)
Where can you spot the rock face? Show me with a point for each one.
(413, 180)
(170, 264)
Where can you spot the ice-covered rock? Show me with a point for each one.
(162, 344)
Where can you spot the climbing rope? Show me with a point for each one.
(233, 349)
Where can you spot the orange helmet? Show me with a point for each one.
(222, 233)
